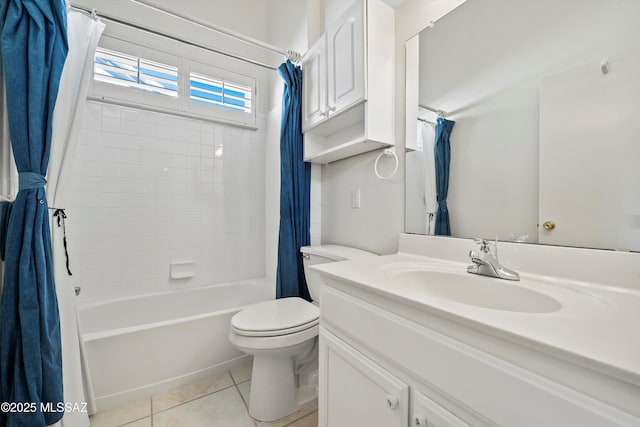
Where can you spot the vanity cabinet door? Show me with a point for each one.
(314, 84)
(345, 60)
(355, 391)
(427, 413)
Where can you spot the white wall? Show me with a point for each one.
(333, 10)
(375, 226)
(243, 16)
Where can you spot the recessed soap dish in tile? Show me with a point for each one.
(182, 270)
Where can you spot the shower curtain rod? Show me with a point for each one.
(440, 113)
(290, 54)
(425, 121)
(96, 14)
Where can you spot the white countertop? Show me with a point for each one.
(597, 326)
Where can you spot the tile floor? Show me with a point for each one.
(218, 401)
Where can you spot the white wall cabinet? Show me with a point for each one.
(345, 61)
(314, 84)
(347, 106)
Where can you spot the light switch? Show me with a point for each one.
(355, 199)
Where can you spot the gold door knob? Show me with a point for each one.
(549, 225)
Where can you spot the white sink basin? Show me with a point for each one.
(475, 290)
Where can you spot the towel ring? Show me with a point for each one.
(386, 153)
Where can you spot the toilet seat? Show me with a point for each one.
(276, 318)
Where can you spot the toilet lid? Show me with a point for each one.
(277, 317)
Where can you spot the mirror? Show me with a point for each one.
(546, 102)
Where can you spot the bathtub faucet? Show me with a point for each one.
(485, 262)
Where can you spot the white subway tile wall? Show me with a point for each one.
(149, 189)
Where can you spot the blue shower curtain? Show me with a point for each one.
(295, 189)
(33, 44)
(443, 159)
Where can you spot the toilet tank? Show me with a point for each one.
(326, 253)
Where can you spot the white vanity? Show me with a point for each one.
(411, 339)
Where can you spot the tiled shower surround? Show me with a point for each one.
(149, 189)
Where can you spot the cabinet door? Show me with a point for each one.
(345, 60)
(355, 391)
(427, 413)
(314, 84)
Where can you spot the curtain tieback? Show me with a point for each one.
(5, 212)
(30, 180)
(61, 215)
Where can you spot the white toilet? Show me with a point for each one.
(282, 336)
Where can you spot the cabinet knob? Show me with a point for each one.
(421, 421)
(393, 402)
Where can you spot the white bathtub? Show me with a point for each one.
(139, 346)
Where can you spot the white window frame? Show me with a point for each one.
(182, 104)
(112, 93)
(226, 114)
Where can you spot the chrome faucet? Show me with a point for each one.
(485, 262)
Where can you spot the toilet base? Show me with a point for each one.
(274, 392)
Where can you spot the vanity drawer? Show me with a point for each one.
(498, 390)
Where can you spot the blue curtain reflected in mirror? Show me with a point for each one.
(443, 161)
